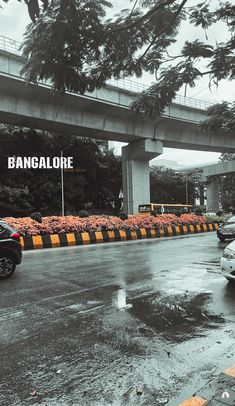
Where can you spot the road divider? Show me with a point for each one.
(94, 237)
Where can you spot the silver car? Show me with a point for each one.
(227, 230)
(227, 262)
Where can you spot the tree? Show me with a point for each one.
(96, 176)
(221, 116)
(77, 49)
(168, 186)
(110, 180)
(33, 7)
(73, 45)
(227, 185)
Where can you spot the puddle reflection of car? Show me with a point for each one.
(227, 230)
(227, 262)
(10, 250)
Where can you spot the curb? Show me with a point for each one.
(217, 392)
(94, 237)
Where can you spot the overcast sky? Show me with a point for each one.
(14, 19)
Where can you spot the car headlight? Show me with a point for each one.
(229, 255)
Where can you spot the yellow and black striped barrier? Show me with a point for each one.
(94, 237)
(217, 392)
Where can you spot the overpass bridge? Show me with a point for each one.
(212, 174)
(105, 114)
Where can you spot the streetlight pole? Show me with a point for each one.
(62, 185)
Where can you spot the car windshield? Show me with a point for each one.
(231, 220)
(6, 226)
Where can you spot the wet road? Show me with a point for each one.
(84, 326)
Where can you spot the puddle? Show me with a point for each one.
(176, 317)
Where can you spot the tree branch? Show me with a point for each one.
(162, 31)
(144, 17)
(133, 8)
(207, 73)
(172, 58)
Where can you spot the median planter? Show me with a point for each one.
(62, 231)
(94, 237)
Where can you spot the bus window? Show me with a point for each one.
(157, 208)
(144, 208)
(163, 208)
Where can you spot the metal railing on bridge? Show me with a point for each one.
(13, 47)
(10, 45)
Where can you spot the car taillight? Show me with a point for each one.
(15, 236)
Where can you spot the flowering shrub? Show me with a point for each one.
(66, 224)
(217, 219)
(192, 219)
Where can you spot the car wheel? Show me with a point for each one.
(7, 267)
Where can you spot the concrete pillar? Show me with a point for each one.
(202, 195)
(135, 172)
(212, 194)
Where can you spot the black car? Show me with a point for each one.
(227, 230)
(10, 250)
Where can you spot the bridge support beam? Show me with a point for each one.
(135, 172)
(212, 194)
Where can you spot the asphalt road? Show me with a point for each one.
(84, 326)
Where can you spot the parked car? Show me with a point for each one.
(10, 250)
(227, 262)
(227, 230)
(210, 214)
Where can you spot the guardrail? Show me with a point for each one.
(13, 47)
(10, 45)
(137, 87)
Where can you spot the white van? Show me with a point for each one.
(227, 262)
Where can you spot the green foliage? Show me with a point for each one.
(197, 49)
(123, 216)
(96, 177)
(169, 186)
(227, 186)
(221, 116)
(227, 157)
(73, 45)
(217, 219)
(37, 216)
(15, 200)
(83, 213)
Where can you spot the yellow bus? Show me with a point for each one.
(165, 208)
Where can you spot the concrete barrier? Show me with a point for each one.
(94, 237)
